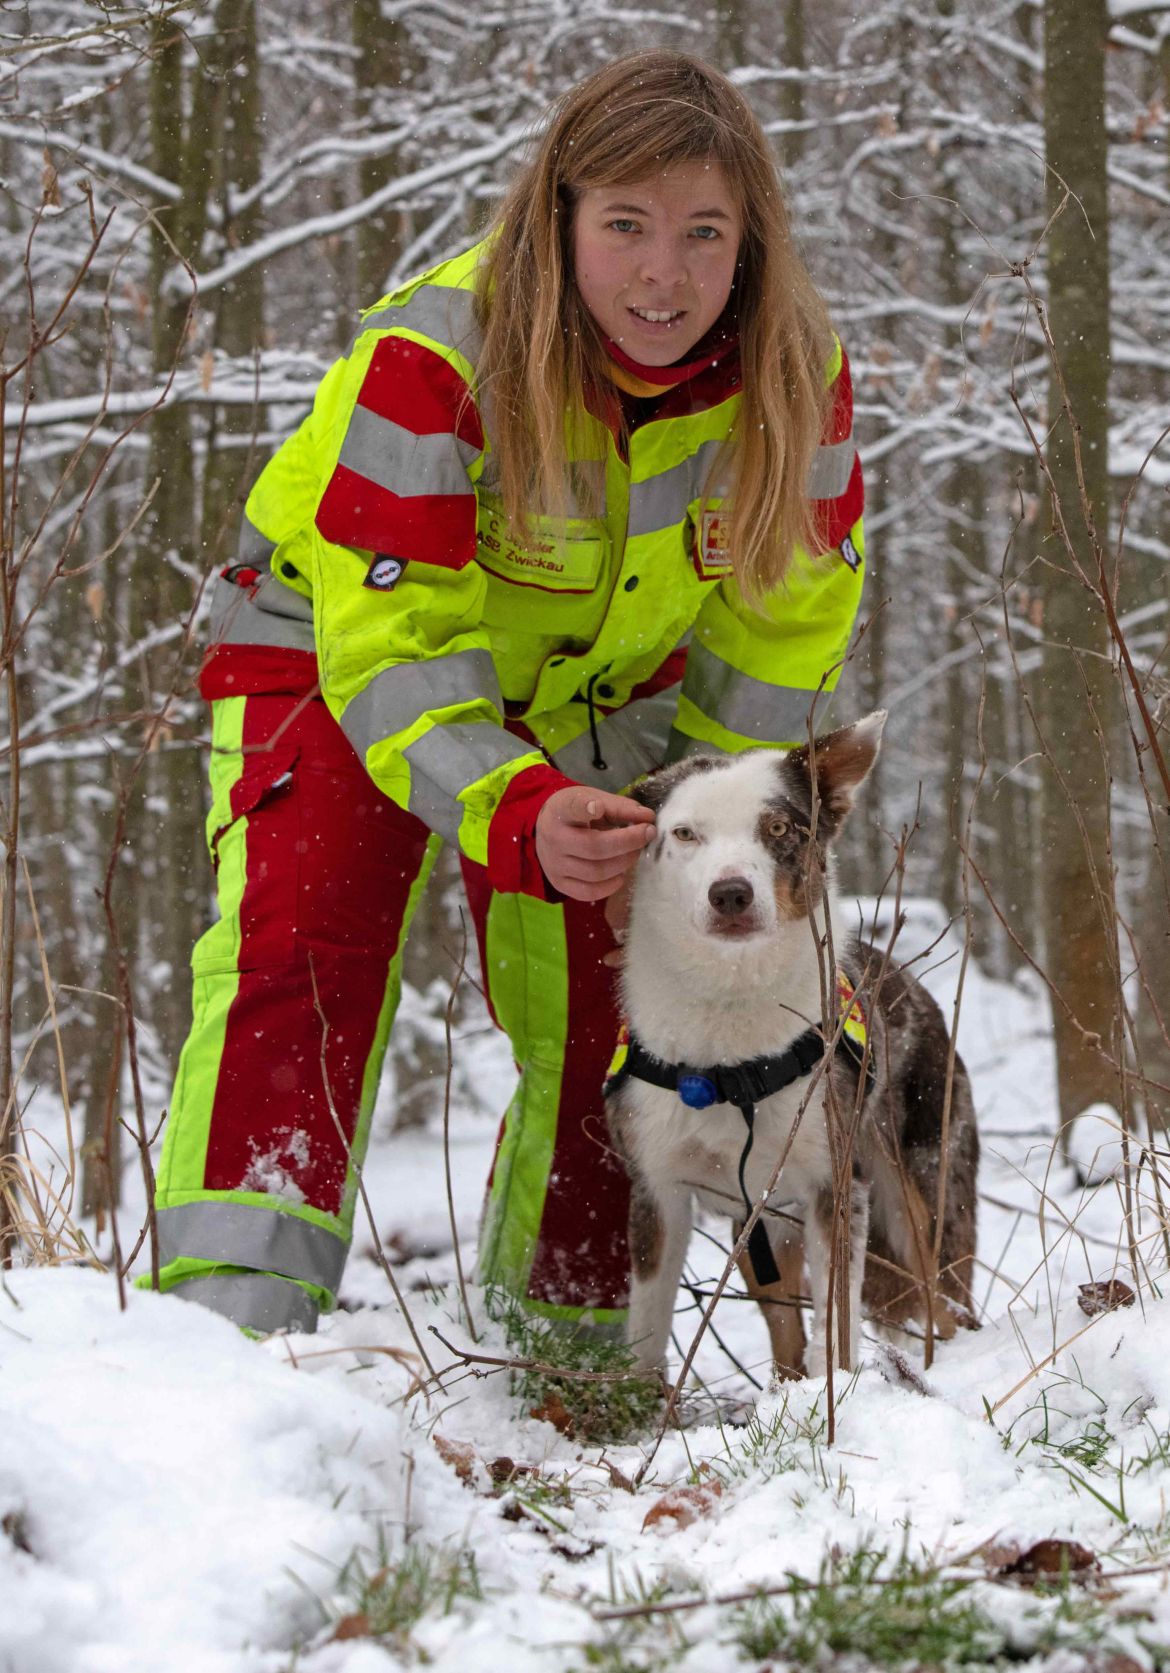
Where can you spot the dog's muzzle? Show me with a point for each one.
(731, 896)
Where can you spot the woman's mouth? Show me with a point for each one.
(659, 318)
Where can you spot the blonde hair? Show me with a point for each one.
(542, 349)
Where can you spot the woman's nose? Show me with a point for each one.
(663, 262)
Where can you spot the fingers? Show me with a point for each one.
(601, 808)
(604, 853)
(587, 841)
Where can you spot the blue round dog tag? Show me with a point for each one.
(696, 1091)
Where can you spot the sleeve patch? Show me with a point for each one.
(384, 573)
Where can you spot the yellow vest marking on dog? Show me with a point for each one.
(620, 1052)
(853, 1020)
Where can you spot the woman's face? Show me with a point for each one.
(655, 261)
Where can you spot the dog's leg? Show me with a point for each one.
(781, 1302)
(818, 1231)
(660, 1230)
(909, 1229)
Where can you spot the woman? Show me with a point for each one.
(546, 527)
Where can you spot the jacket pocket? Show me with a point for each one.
(252, 835)
(267, 775)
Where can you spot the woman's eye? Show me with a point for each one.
(707, 233)
(623, 224)
(683, 833)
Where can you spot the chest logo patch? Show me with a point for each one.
(562, 560)
(713, 546)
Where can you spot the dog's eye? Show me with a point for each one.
(683, 833)
(778, 827)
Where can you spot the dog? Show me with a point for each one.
(762, 1031)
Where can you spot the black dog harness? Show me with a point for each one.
(744, 1085)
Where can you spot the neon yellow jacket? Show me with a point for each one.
(474, 675)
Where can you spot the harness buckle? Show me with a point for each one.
(742, 1083)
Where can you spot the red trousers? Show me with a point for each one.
(296, 986)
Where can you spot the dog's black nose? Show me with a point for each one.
(730, 896)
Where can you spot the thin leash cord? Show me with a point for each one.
(748, 1111)
(759, 1247)
(598, 762)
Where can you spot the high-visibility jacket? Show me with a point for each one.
(476, 674)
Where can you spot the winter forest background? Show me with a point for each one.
(197, 199)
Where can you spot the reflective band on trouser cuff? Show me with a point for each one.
(446, 760)
(661, 501)
(739, 703)
(269, 614)
(395, 458)
(253, 1300)
(444, 313)
(632, 742)
(264, 1239)
(395, 698)
(831, 469)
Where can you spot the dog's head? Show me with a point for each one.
(743, 841)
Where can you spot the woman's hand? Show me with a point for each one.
(588, 840)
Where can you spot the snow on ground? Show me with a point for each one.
(176, 1497)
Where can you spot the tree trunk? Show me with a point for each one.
(1077, 687)
(1152, 915)
(170, 893)
(792, 96)
(380, 61)
(239, 313)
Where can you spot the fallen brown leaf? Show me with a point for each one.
(352, 1626)
(459, 1455)
(1104, 1297)
(684, 1505)
(1053, 1556)
(554, 1411)
(897, 1369)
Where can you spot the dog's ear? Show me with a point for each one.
(840, 762)
(650, 791)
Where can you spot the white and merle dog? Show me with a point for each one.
(730, 985)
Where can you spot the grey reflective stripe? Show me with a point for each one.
(269, 614)
(253, 547)
(261, 1238)
(633, 741)
(446, 760)
(444, 313)
(662, 500)
(395, 458)
(682, 745)
(395, 698)
(753, 708)
(253, 1300)
(831, 469)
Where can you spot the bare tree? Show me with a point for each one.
(1078, 691)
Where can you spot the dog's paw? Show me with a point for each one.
(816, 1363)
